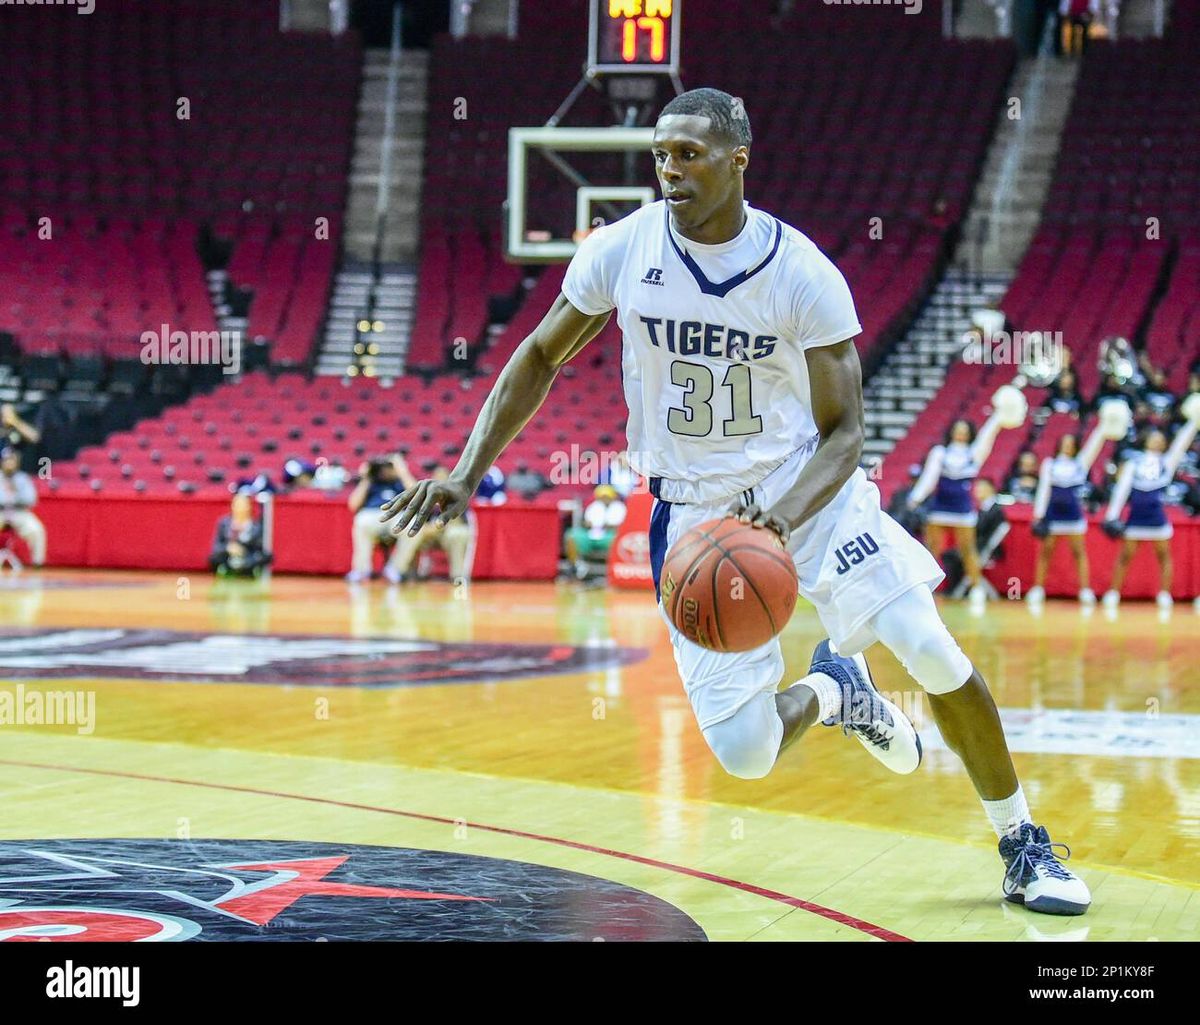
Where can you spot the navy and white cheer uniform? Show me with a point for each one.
(1142, 484)
(949, 472)
(1062, 483)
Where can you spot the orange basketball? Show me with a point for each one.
(728, 586)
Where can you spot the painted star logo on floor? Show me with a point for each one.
(300, 660)
(135, 890)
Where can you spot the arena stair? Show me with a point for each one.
(914, 371)
(386, 301)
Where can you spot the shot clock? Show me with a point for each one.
(634, 36)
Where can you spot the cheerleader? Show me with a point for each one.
(1057, 512)
(949, 470)
(1142, 482)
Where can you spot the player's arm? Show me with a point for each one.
(1091, 448)
(520, 390)
(1183, 441)
(981, 448)
(835, 379)
(1041, 498)
(1121, 490)
(930, 474)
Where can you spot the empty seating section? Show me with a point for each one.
(257, 424)
(876, 168)
(86, 290)
(1121, 222)
(131, 128)
(1173, 338)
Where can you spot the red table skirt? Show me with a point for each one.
(1061, 577)
(312, 534)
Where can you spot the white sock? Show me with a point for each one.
(1008, 815)
(828, 692)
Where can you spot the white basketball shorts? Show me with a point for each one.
(851, 558)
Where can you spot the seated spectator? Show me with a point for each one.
(18, 496)
(260, 483)
(993, 523)
(455, 539)
(1023, 482)
(601, 518)
(379, 481)
(238, 544)
(526, 482)
(491, 488)
(298, 474)
(331, 476)
(1064, 395)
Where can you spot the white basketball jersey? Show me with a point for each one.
(714, 338)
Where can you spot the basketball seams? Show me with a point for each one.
(714, 540)
(757, 594)
(715, 607)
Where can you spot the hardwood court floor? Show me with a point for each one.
(599, 769)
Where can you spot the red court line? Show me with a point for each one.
(876, 931)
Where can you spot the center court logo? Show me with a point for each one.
(302, 660)
(174, 890)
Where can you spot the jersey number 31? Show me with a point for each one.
(695, 419)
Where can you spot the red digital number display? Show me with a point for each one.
(634, 35)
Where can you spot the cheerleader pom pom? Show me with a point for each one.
(1115, 419)
(1191, 408)
(1010, 406)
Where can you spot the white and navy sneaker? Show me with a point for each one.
(880, 726)
(1036, 876)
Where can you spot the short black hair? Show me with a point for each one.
(727, 113)
(949, 435)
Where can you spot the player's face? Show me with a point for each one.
(700, 174)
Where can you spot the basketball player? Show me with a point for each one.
(1142, 481)
(1057, 512)
(949, 470)
(745, 396)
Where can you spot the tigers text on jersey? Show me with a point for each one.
(713, 344)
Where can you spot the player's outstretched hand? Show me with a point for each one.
(416, 505)
(758, 517)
